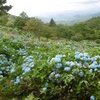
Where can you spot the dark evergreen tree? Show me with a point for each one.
(52, 22)
(4, 8)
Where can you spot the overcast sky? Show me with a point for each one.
(41, 7)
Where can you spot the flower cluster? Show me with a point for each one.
(57, 58)
(82, 60)
(6, 65)
(79, 68)
(54, 75)
(28, 64)
(87, 61)
(22, 52)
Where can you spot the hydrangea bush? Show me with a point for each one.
(73, 79)
(47, 74)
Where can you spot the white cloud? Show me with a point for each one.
(40, 7)
(89, 1)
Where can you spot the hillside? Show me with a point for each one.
(86, 30)
(68, 18)
(38, 59)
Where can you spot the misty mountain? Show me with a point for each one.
(71, 17)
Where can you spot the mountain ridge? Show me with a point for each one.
(70, 17)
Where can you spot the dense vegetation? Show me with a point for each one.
(48, 70)
(46, 61)
(88, 30)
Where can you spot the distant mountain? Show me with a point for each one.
(71, 17)
(67, 17)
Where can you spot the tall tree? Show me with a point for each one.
(52, 22)
(23, 15)
(4, 8)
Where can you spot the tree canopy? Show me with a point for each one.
(4, 8)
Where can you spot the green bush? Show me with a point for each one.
(47, 71)
(77, 37)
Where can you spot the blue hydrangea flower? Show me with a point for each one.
(58, 65)
(90, 70)
(59, 56)
(31, 64)
(92, 97)
(95, 62)
(67, 69)
(57, 75)
(93, 59)
(93, 66)
(67, 63)
(52, 75)
(86, 64)
(77, 53)
(27, 69)
(98, 66)
(70, 63)
(44, 89)
(57, 59)
(77, 57)
(85, 59)
(22, 51)
(95, 69)
(17, 80)
(12, 69)
(81, 74)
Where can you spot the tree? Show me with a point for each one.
(52, 22)
(47, 31)
(4, 8)
(35, 26)
(21, 20)
(19, 23)
(23, 15)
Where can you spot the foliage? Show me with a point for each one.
(34, 26)
(88, 30)
(23, 15)
(48, 71)
(20, 21)
(51, 70)
(4, 8)
(47, 31)
(3, 20)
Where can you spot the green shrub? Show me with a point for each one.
(77, 37)
(47, 71)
